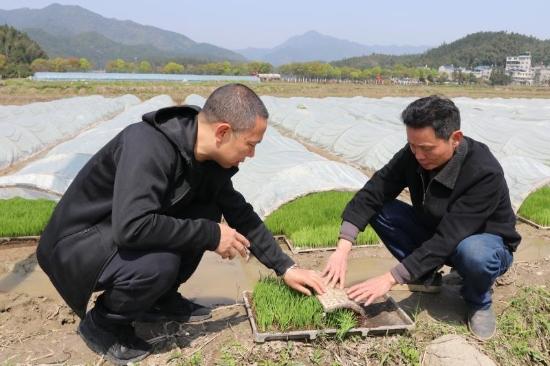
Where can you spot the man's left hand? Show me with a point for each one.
(303, 279)
(371, 289)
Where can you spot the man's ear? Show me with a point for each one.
(221, 131)
(456, 138)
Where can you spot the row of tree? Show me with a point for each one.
(211, 68)
(321, 70)
(303, 71)
(60, 64)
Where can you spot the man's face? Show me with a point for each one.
(235, 147)
(430, 151)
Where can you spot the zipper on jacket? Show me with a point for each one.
(424, 188)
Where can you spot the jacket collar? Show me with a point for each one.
(449, 174)
(180, 125)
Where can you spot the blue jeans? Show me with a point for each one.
(479, 259)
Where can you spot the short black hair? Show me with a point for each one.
(434, 111)
(235, 104)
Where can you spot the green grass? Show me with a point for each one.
(21, 217)
(537, 207)
(279, 308)
(313, 221)
(524, 329)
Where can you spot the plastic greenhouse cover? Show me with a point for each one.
(29, 129)
(283, 169)
(50, 176)
(368, 131)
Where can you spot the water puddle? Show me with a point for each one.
(532, 249)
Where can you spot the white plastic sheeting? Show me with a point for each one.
(283, 170)
(26, 130)
(50, 176)
(368, 132)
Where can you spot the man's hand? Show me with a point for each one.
(337, 265)
(231, 243)
(298, 279)
(372, 289)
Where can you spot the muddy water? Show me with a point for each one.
(221, 282)
(532, 249)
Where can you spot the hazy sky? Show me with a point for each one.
(247, 23)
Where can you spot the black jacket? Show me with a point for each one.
(131, 193)
(468, 196)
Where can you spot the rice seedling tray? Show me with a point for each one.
(383, 317)
(296, 250)
(532, 223)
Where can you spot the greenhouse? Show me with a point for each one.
(50, 176)
(365, 132)
(283, 170)
(368, 132)
(29, 129)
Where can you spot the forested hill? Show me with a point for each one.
(482, 48)
(17, 51)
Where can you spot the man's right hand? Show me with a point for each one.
(337, 265)
(231, 243)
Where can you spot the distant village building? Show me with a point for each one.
(447, 69)
(483, 72)
(269, 77)
(519, 69)
(453, 72)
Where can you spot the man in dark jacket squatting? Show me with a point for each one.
(138, 217)
(461, 215)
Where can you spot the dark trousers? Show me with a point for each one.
(134, 280)
(479, 259)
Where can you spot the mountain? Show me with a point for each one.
(70, 30)
(481, 48)
(314, 46)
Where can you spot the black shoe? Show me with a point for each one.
(430, 283)
(482, 323)
(176, 308)
(117, 343)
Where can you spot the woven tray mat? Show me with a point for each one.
(335, 298)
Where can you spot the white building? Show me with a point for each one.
(447, 69)
(519, 68)
(269, 77)
(482, 72)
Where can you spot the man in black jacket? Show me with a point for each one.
(138, 217)
(461, 214)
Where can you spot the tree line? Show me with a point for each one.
(119, 65)
(306, 71)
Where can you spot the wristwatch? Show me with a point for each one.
(289, 268)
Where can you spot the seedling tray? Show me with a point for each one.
(295, 250)
(532, 223)
(383, 317)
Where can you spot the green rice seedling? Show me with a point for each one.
(313, 221)
(343, 320)
(279, 308)
(22, 217)
(537, 207)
